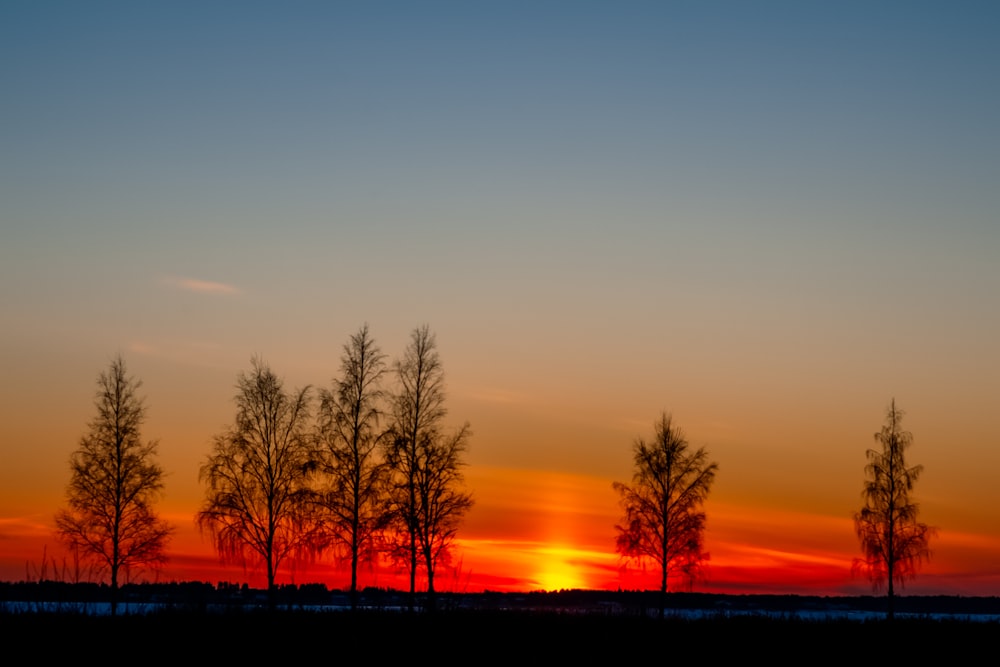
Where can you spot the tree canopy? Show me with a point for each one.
(110, 519)
(258, 505)
(663, 517)
(893, 542)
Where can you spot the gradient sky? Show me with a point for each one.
(767, 219)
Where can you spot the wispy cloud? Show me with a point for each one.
(141, 347)
(201, 286)
(198, 352)
(17, 527)
(495, 395)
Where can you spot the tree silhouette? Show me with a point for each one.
(426, 499)
(442, 503)
(115, 481)
(664, 521)
(258, 503)
(348, 433)
(893, 542)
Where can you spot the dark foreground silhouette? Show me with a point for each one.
(474, 636)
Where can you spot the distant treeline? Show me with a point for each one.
(202, 595)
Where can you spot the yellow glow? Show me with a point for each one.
(558, 569)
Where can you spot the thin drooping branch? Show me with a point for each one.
(259, 505)
(893, 542)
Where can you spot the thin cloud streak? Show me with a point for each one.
(498, 396)
(202, 353)
(26, 526)
(202, 286)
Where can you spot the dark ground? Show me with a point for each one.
(198, 623)
(484, 637)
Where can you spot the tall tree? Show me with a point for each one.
(258, 503)
(664, 521)
(893, 542)
(349, 416)
(114, 483)
(426, 499)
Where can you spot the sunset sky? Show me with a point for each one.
(765, 218)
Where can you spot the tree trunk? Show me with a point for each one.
(354, 579)
(272, 593)
(431, 601)
(114, 589)
(355, 528)
(664, 562)
(890, 597)
(413, 569)
(891, 558)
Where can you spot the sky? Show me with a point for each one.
(766, 219)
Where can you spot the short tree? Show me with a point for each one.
(258, 504)
(352, 468)
(426, 498)
(115, 481)
(893, 542)
(664, 521)
(442, 501)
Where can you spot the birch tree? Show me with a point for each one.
(110, 520)
(427, 500)
(664, 521)
(259, 507)
(893, 543)
(354, 473)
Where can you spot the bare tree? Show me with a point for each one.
(442, 502)
(114, 483)
(426, 499)
(664, 521)
(349, 417)
(258, 504)
(893, 542)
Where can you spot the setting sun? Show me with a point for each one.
(559, 570)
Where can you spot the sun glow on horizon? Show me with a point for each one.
(537, 565)
(561, 569)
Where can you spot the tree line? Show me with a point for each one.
(373, 473)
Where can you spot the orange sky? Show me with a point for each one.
(536, 530)
(779, 515)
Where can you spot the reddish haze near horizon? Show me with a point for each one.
(532, 530)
